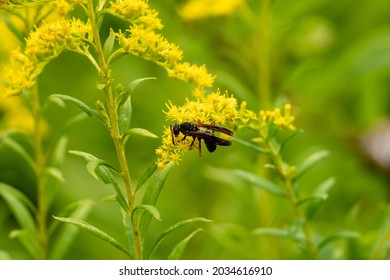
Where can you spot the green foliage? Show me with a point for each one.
(269, 200)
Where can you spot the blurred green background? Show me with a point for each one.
(329, 59)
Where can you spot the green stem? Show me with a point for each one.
(284, 171)
(114, 128)
(264, 84)
(39, 168)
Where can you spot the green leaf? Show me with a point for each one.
(151, 195)
(343, 234)
(309, 162)
(88, 110)
(260, 182)
(250, 145)
(272, 232)
(150, 209)
(93, 166)
(140, 132)
(18, 149)
(124, 116)
(109, 44)
(281, 233)
(131, 88)
(67, 233)
(55, 173)
(325, 186)
(178, 251)
(59, 143)
(312, 198)
(29, 242)
(128, 230)
(149, 172)
(20, 207)
(95, 231)
(173, 228)
(96, 170)
(57, 155)
(318, 197)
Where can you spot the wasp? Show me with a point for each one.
(207, 135)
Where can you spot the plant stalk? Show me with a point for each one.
(39, 168)
(114, 128)
(286, 175)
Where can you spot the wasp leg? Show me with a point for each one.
(192, 143)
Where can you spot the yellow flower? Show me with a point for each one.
(200, 9)
(147, 44)
(215, 107)
(192, 74)
(284, 120)
(137, 12)
(44, 44)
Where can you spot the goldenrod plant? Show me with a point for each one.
(46, 42)
(271, 198)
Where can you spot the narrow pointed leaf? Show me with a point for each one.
(59, 151)
(312, 198)
(149, 172)
(29, 242)
(343, 234)
(88, 110)
(132, 87)
(55, 173)
(67, 233)
(109, 44)
(258, 181)
(58, 146)
(140, 132)
(100, 171)
(95, 231)
(150, 209)
(128, 230)
(250, 145)
(272, 232)
(20, 207)
(178, 251)
(104, 173)
(93, 166)
(124, 116)
(315, 200)
(19, 150)
(175, 227)
(309, 162)
(151, 195)
(325, 186)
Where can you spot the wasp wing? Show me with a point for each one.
(215, 128)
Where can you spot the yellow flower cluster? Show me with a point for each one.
(270, 122)
(147, 44)
(279, 119)
(137, 12)
(215, 107)
(44, 44)
(141, 40)
(200, 9)
(194, 74)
